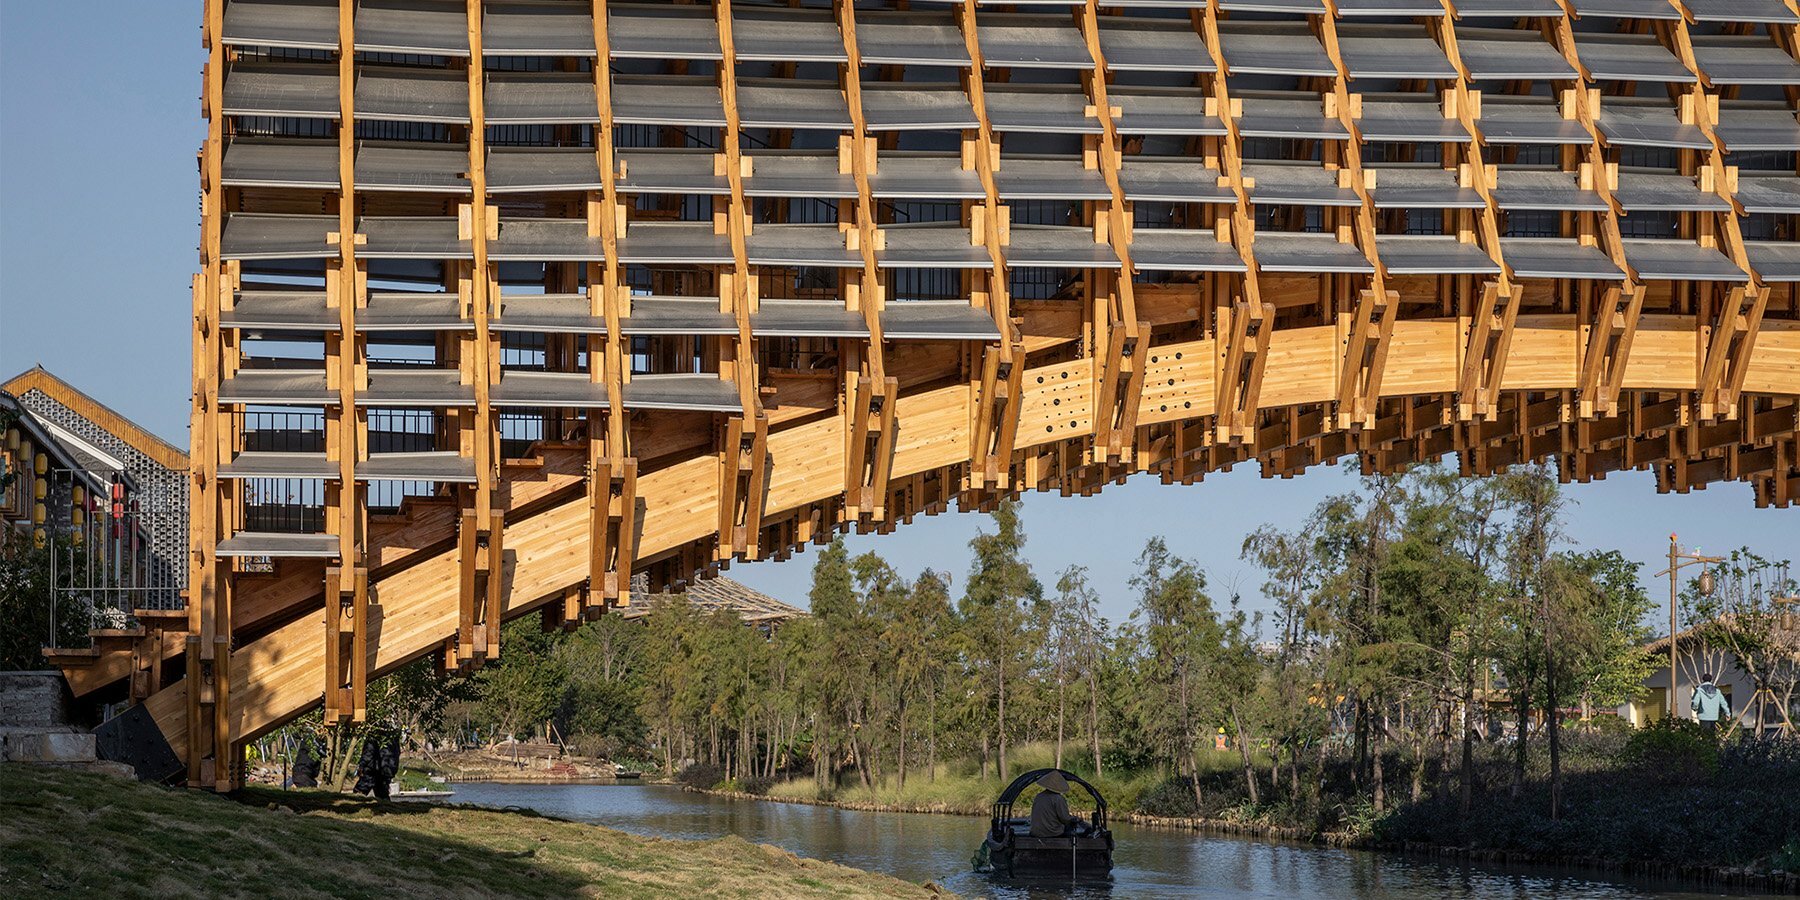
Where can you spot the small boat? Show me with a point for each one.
(1010, 848)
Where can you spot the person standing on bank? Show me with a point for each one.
(1050, 816)
(1710, 704)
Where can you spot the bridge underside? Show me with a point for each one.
(711, 301)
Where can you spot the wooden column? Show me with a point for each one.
(482, 552)
(612, 471)
(995, 395)
(1241, 325)
(744, 452)
(1121, 369)
(870, 395)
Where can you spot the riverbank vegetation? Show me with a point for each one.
(1438, 664)
(69, 834)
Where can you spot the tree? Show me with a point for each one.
(1295, 719)
(1604, 634)
(524, 687)
(1353, 537)
(1182, 638)
(1546, 591)
(917, 632)
(35, 603)
(996, 640)
(1084, 637)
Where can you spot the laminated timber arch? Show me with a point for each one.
(774, 271)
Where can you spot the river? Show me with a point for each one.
(1150, 863)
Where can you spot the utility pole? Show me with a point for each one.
(1678, 561)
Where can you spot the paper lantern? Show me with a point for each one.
(78, 496)
(40, 463)
(39, 514)
(40, 489)
(12, 439)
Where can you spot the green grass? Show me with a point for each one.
(69, 834)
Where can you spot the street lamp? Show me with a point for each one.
(1678, 561)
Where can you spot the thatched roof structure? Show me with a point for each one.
(712, 595)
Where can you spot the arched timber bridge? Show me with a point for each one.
(483, 326)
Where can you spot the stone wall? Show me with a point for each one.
(33, 700)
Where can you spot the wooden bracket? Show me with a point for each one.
(1365, 358)
(872, 447)
(1121, 390)
(468, 564)
(493, 581)
(612, 530)
(997, 419)
(346, 619)
(1243, 356)
(479, 559)
(1484, 354)
(1728, 350)
(743, 475)
(1609, 348)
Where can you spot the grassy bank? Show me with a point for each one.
(958, 786)
(1667, 796)
(82, 835)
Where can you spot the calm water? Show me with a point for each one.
(1147, 863)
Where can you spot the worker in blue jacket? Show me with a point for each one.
(1710, 704)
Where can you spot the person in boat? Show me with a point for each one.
(1050, 816)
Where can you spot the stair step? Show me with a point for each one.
(115, 633)
(68, 657)
(164, 617)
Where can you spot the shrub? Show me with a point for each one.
(1609, 725)
(1173, 797)
(1787, 859)
(1672, 751)
(756, 784)
(701, 776)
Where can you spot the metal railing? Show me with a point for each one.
(903, 212)
(805, 354)
(1281, 217)
(282, 432)
(684, 207)
(284, 505)
(804, 283)
(1041, 283)
(672, 281)
(1531, 223)
(1045, 212)
(628, 137)
(794, 210)
(925, 284)
(104, 562)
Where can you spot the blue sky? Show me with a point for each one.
(99, 123)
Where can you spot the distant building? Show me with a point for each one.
(84, 472)
(1695, 658)
(757, 609)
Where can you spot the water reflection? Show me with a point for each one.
(1147, 863)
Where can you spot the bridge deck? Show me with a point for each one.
(522, 306)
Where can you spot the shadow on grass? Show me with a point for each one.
(88, 835)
